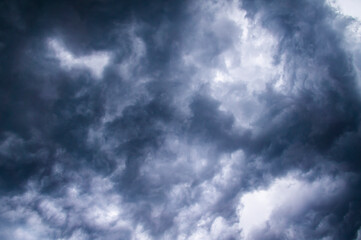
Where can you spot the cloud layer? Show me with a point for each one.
(183, 120)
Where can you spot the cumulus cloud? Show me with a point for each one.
(273, 209)
(186, 120)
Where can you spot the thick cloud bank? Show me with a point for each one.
(179, 120)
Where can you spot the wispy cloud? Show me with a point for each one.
(95, 62)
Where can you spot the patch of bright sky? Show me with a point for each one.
(256, 208)
(94, 62)
(348, 7)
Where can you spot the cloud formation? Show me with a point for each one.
(183, 120)
(95, 62)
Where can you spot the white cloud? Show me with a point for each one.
(286, 197)
(358, 234)
(243, 64)
(348, 7)
(52, 211)
(195, 205)
(95, 62)
(100, 208)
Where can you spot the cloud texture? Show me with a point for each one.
(179, 120)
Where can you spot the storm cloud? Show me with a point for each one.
(180, 120)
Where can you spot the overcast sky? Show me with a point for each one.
(184, 120)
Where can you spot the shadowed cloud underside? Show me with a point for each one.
(217, 120)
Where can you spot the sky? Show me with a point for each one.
(184, 120)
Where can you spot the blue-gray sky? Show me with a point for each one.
(218, 120)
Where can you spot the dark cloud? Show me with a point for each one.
(181, 120)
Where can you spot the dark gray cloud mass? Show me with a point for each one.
(179, 120)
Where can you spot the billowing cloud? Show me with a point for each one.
(95, 62)
(186, 120)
